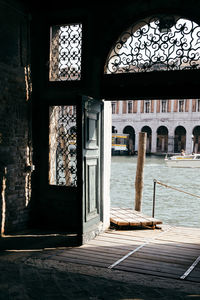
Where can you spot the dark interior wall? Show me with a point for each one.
(14, 201)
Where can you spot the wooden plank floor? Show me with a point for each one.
(167, 252)
(131, 218)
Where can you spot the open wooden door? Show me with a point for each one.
(92, 167)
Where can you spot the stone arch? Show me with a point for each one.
(148, 130)
(131, 131)
(196, 139)
(179, 138)
(162, 139)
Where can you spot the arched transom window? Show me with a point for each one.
(159, 43)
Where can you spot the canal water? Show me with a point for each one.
(172, 207)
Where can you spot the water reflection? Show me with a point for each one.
(172, 207)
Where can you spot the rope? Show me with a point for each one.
(173, 188)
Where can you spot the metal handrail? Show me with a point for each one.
(167, 186)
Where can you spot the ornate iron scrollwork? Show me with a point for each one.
(160, 43)
(65, 52)
(62, 146)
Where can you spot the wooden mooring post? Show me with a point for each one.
(139, 171)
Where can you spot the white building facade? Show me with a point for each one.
(171, 125)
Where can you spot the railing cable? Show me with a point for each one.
(169, 187)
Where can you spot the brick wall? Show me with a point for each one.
(14, 124)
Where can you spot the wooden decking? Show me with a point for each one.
(126, 217)
(169, 252)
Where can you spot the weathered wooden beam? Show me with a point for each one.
(139, 171)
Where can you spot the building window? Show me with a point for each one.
(114, 108)
(198, 105)
(65, 52)
(62, 146)
(147, 106)
(181, 105)
(130, 107)
(164, 106)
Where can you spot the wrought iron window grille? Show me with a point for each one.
(161, 43)
(63, 146)
(65, 52)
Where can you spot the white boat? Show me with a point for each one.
(183, 161)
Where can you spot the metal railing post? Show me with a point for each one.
(154, 197)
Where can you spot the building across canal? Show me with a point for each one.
(171, 125)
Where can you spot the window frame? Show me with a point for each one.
(198, 105)
(114, 107)
(62, 52)
(165, 106)
(147, 106)
(181, 105)
(130, 106)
